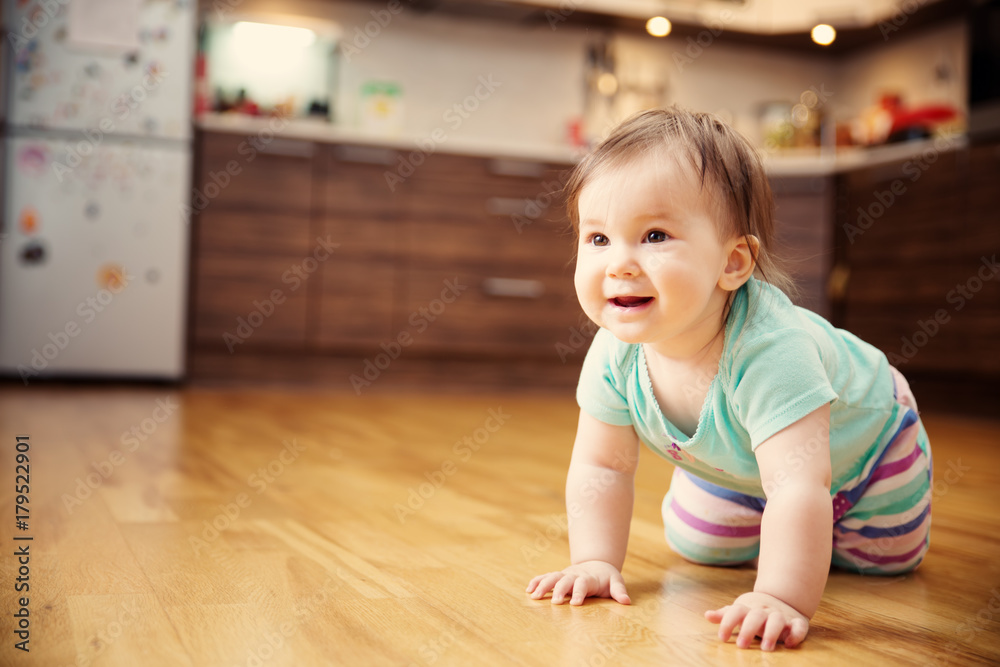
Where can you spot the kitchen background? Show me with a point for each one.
(435, 58)
(374, 200)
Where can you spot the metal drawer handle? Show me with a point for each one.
(513, 287)
(366, 155)
(287, 147)
(520, 168)
(512, 206)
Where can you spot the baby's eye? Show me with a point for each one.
(656, 236)
(598, 240)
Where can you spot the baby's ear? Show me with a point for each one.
(740, 263)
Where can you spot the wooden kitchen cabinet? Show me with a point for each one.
(470, 257)
(252, 233)
(911, 236)
(490, 258)
(803, 226)
(359, 284)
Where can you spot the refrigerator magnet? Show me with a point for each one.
(33, 253)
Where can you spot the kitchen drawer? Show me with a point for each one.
(368, 238)
(451, 168)
(926, 285)
(238, 172)
(353, 183)
(908, 210)
(458, 202)
(983, 235)
(517, 313)
(356, 302)
(491, 241)
(260, 234)
(965, 343)
(257, 289)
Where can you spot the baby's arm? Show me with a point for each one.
(796, 537)
(600, 488)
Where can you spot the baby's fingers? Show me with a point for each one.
(581, 589)
(798, 629)
(619, 593)
(566, 584)
(543, 583)
(773, 630)
(731, 617)
(715, 615)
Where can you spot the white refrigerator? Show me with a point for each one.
(97, 160)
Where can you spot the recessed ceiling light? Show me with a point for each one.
(824, 34)
(658, 26)
(607, 84)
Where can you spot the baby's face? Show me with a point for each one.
(650, 258)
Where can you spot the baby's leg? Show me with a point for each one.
(887, 531)
(711, 525)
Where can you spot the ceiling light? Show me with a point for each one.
(824, 34)
(607, 84)
(658, 26)
(276, 37)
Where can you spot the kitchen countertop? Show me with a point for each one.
(788, 163)
(439, 142)
(820, 162)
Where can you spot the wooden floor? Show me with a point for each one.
(284, 528)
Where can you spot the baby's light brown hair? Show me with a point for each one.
(726, 162)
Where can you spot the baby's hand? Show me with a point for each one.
(592, 578)
(763, 615)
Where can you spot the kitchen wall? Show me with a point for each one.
(534, 75)
(732, 81)
(538, 72)
(929, 67)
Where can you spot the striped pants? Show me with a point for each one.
(882, 526)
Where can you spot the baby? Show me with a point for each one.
(796, 444)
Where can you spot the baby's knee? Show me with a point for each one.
(705, 549)
(860, 564)
(717, 557)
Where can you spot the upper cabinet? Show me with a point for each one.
(750, 16)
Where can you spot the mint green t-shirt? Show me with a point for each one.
(776, 368)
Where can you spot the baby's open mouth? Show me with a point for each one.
(631, 301)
